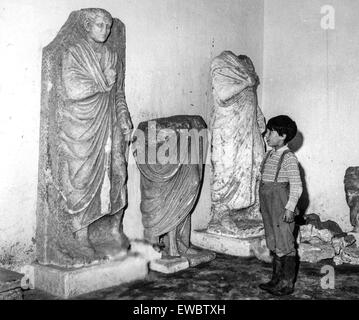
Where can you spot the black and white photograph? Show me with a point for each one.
(181, 156)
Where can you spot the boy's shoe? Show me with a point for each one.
(283, 288)
(276, 275)
(286, 285)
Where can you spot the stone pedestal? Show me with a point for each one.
(175, 264)
(169, 265)
(241, 247)
(10, 285)
(67, 283)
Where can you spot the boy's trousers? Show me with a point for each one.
(273, 198)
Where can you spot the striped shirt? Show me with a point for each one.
(289, 172)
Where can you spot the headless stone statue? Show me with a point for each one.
(237, 146)
(84, 134)
(171, 167)
(351, 186)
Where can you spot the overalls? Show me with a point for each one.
(273, 197)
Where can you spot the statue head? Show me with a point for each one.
(97, 23)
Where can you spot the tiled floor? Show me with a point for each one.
(225, 278)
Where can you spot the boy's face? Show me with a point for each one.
(274, 140)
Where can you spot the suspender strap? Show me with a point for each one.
(280, 163)
(263, 162)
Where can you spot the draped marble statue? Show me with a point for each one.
(351, 187)
(84, 137)
(237, 144)
(170, 154)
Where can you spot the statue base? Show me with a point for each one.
(243, 228)
(232, 245)
(71, 282)
(169, 265)
(175, 264)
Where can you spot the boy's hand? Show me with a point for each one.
(288, 216)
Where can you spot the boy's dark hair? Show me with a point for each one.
(283, 125)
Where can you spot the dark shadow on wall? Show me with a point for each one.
(303, 202)
(296, 143)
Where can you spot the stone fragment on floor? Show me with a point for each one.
(10, 285)
(325, 240)
(347, 255)
(315, 252)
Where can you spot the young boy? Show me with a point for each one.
(279, 191)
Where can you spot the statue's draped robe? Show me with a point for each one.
(82, 150)
(169, 191)
(237, 144)
(88, 130)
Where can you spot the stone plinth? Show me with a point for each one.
(10, 285)
(174, 264)
(169, 265)
(241, 247)
(67, 283)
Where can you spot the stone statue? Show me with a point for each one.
(351, 187)
(171, 170)
(84, 138)
(237, 144)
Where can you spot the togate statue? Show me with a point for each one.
(237, 126)
(170, 154)
(84, 138)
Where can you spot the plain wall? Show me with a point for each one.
(311, 74)
(170, 44)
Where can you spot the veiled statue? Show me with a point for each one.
(351, 187)
(170, 154)
(237, 126)
(84, 137)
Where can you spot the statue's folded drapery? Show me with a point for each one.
(87, 131)
(237, 124)
(168, 196)
(169, 191)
